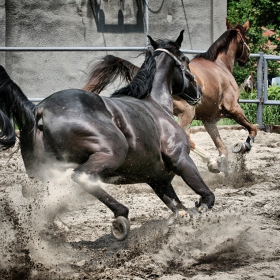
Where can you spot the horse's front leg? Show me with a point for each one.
(167, 194)
(212, 130)
(186, 168)
(186, 114)
(238, 115)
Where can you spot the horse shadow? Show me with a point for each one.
(145, 237)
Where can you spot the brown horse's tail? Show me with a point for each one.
(105, 73)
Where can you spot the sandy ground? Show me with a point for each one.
(238, 239)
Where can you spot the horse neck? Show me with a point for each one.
(161, 90)
(227, 59)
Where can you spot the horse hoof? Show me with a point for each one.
(203, 208)
(213, 166)
(120, 228)
(241, 148)
(60, 226)
(172, 219)
(224, 165)
(238, 148)
(182, 213)
(193, 212)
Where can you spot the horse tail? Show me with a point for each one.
(14, 107)
(106, 72)
(141, 85)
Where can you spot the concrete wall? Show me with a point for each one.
(95, 23)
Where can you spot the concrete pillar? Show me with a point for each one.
(2, 30)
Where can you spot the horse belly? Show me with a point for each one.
(140, 168)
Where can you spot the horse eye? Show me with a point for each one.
(185, 59)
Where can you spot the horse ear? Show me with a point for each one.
(180, 38)
(228, 24)
(246, 25)
(153, 43)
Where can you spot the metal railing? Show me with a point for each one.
(262, 70)
(262, 86)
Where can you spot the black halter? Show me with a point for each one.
(247, 47)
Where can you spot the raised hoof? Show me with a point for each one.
(239, 148)
(120, 228)
(243, 147)
(213, 166)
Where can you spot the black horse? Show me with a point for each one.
(128, 138)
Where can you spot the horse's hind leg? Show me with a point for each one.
(238, 115)
(212, 130)
(107, 159)
(110, 155)
(91, 184)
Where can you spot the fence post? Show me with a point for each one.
(260, 92)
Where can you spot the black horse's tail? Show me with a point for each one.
(14, 107)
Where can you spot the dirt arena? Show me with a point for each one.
(238, 239)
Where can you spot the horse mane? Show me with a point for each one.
(221, 44)
(141, 85)
(106, 72)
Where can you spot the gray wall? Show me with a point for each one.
(95, 23)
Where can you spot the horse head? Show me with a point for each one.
(243, 50)
(184, 83)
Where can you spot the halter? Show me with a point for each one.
(192, 101)
(244, 44)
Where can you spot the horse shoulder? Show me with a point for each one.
(134, 118)
(174, 140)
(206, 73)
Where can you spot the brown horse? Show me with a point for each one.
(213, 71)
